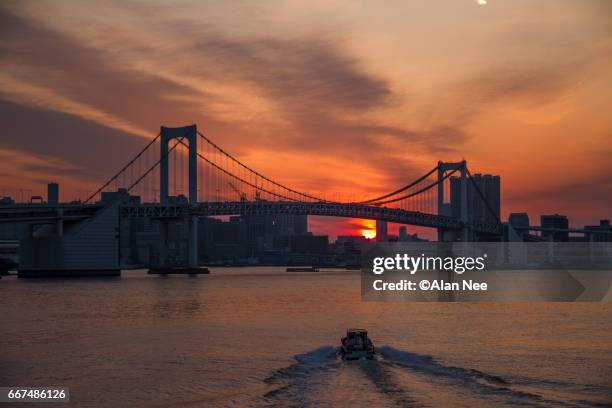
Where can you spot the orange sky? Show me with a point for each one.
(350, 97)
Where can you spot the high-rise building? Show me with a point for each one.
(557, 222)
(403, 234)
(53, 193)
(520, 224)
(264, 230)
(520, 220)
(478, 210)
(309, 244)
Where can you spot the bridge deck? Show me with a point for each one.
(331, 209)
(42, 213)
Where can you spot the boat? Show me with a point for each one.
(356, 345)
(303, 269)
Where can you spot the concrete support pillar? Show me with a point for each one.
(440, 189)
(440, 198)
(59, 226)
(381, 231)
(163, 172)
(551, 247)
(163, 242)
(193, 169)
(193, 242)
(464, 202)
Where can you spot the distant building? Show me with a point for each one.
(53, 193)
(309, 244)
(267, 238)
(557, 222)
(403, 234)
(348, 249)
(225, 240)
(7, 201)
(489, 186)
(121, 194)
(604, 226)
(405, 237)
(354, 241)
(520, 223)
(520, 220)
(265, 231)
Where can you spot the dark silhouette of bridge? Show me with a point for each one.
(220, 184)
(182, 174)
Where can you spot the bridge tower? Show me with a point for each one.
(443, 209)
(186, 132)
(191, 134)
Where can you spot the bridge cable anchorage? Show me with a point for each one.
(406, 187)
(114, 178)
(319, 199)
(259, 188)
(146, 173)
(426, 188)
(483, 198)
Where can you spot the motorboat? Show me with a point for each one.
(303, 269)
(356, 345)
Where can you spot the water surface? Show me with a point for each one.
(261, 337)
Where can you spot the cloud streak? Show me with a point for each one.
(101, 81)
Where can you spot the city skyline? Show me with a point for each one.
(355, 97)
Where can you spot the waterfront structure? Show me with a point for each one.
(557, 226)
(599, 233)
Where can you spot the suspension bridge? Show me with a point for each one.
(217, 183)
(183, 174)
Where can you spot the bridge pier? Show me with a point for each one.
(193, 242)
(191, 266)
(163, 242)
(381, 231)
(59, 225)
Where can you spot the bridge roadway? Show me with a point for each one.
(41, 213)
(330, 209)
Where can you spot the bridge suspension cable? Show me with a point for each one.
(221, 169)
(146, 173)
(420, 191)
(256, 173)
(240, 179)
(406, 187)
(123, 169)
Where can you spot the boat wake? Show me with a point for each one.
(479, 383)
(293, 385)
(398, 378)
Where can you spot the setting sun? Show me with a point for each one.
(369, 234)
(368, 228)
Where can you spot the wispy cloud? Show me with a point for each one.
(285, 85)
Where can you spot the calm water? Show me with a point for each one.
(264, 337)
